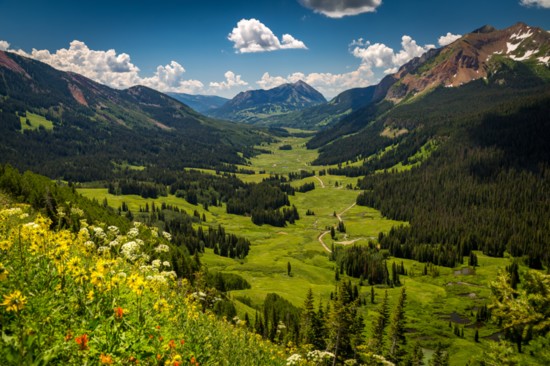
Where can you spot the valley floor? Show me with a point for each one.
(437, 303)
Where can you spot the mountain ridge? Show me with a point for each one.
(94, 128)
(252, 105)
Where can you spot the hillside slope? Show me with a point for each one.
(67, 126)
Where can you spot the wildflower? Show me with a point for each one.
(171, 344)
(3, 272)
(5, 244)
(161, 305)
(82, 342)
(162, 248)
(182, 342)
(166, 264)
(90, 295)
(14, 301)
(119, 313)
(167, 235)
(105, 359)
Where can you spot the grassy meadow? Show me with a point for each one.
(435, 302)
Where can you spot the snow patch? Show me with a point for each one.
(525, 56)
(522, 36)
(544, 60)
(511, 47)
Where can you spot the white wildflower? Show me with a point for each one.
(162, 248)
(133, 233)
(156, 263)
(103, 250)
(167, 235)
(166, 264)
(113, 230)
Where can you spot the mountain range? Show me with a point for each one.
(200, 103)
(253, 105)
(519, 50)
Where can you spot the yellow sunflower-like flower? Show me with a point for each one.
(14, 301)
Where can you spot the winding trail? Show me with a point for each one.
(320, 238)
(320, 181)
(338, 215)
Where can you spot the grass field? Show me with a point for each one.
(35, 121)
(432, 301)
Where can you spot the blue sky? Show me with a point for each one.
(223, 47)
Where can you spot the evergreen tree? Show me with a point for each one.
(416, 358)
(379, 326)
(307, 321)
(440, 357)
(476, 336)
(397, 330)
(288, 268)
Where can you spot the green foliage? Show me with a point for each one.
(523, 313)
(73, 298)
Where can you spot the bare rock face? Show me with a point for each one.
(467, 59)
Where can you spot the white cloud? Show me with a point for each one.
(372, 56)
(112, 69)
(448, 38)
(251, 35)
(538, 3)
(170, 78)
(341, 8)
(379, 55)
(4, 45)
(231, 81)
(328, 84)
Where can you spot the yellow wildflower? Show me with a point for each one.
(136, 284)
(161, 306)
(5, 244)
(14, 301)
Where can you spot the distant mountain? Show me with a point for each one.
(200, 103)
(253, 105)
(477, 55)
(326, 114)
(64, 125)
(474, 73)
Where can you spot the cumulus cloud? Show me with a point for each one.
(4, 45)
(231, 81)
(171, 78)
(251, 35)
(372, 56)
(341, 8)
(537, 3)
(327, 83)
(112, 69)
(449, 38)
(381, 56)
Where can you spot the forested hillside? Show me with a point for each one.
(66, 126)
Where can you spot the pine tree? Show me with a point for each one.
(476, 336)
(379, 326)
(341, 324)
(397, 330)
(307, 321)
(439, 358)
(416, 358)
(288, 268)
